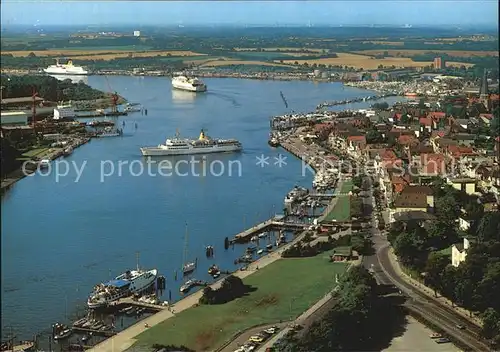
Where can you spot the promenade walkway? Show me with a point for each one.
(125, 339)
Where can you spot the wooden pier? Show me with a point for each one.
(105, 333)
(131, 302)
(272, 223)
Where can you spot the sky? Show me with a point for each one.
(377, 12)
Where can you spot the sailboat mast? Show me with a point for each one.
(185, 245)
(137, 259)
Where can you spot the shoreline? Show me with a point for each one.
(126, 338)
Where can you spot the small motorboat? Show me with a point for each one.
(131, 311)
(254, 238)
(260, 251)
(63, 334)
(263, 234)
(85, 338)
(80, 323)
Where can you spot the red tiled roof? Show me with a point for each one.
(433, 164)
(426, 121)
(486, 116)
(357, 138)
(457, 150)
(438, 133)
(397, 116)
(407, 140)
(436, 115)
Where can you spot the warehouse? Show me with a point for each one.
(14, 118)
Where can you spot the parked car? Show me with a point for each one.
(256, 338)
(435, 335)
(442, 340)
(460, 326)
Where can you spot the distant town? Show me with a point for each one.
(401, 222)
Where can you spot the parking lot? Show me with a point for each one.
(253, 338)
(417, 338)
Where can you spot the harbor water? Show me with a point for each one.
(63, 235)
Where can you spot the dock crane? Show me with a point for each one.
(114, 97)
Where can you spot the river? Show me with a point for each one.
(61, 236)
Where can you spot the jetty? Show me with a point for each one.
(105, 333)
(131, 302)
(272, 223)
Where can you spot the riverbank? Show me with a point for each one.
(31, 164)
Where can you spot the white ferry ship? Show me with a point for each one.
(130, 282)
(65, 69)
(190, 84)
(203, 145)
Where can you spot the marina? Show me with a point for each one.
(97, 240)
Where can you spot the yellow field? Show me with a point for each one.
(292, 50)
(102, 54)
(240, 62)
(408, 53)
(383, 43)
(368, 62)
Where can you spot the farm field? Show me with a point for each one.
(409, 53)
(369, 62)
(284, 289)
(281, 49)
(102, 54)
(217, 63)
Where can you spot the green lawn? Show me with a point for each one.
(284, 289)
(35, 152)
(347, 186)
(341, 211)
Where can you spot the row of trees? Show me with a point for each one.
(232, 287)
(475, 283)
(47, 87)
(353, 324)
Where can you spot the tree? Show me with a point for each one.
(489, 227)
(374, 136)
(491, 323)
(435, 266)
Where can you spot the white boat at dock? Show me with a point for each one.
(126, 284)
(183, 146)
(44, 163)
(63, 334)
(188, 285)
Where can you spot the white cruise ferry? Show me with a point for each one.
(65, 69)
(132, 281)
(202, 145)
(190, 84)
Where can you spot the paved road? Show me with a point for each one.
(243, 338)
(387, 271)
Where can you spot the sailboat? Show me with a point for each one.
(189, 266)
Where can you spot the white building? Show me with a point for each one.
(64, 111)
(19, 118)
(137, 33)
(459, 252)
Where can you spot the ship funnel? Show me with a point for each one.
(202, 135)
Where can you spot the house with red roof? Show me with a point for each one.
(407, 140)
(432, 164)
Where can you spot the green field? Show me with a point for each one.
(342, 209)
(109, 48)
(347, 186)
(188, 58)
(35, 152)
(284, 289)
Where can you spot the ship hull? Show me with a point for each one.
(156, 151)
(64, 72)
(188, 88)
(137, 285)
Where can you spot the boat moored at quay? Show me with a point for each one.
(202, 145)
(65, 69)
(126, 284)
